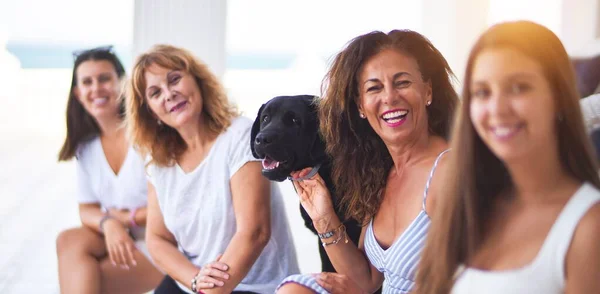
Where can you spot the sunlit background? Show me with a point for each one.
(270, 48)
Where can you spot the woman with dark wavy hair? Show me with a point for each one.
(386, 114)
(521, 209)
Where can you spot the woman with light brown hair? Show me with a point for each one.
(385, 117)
(521, 207)
(215, 224)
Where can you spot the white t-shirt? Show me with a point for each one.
(97, 183)
(197, 209)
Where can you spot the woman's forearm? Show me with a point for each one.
(91, 215)
(241, 253)
(170, 260)
(347, 258)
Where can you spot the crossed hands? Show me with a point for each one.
(212, 275)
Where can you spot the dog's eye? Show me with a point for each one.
(296, 121)
(265, 118)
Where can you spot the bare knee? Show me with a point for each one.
(73, 240)
(293, 288)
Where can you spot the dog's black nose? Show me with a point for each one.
(265, 139)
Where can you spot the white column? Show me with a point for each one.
(197, 25)
(580, 26)
(453, 26)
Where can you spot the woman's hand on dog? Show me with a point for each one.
(119, 245)
(314, 196)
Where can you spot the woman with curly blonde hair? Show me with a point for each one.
(215, 225)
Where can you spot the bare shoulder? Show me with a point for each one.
(582, 264)
(587, 233)
(439, 171)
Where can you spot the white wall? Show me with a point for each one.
(580, 26)
(453, 27)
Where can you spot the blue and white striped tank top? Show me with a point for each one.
(399, 262)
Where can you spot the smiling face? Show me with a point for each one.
(512, 107)
(98, 88)
(394, 97)
(173, 96)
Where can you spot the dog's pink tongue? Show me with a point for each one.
(269, 163)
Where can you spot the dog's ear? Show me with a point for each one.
(311, 101)
(256, 129)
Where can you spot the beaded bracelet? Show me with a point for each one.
(342, 233)
(329, 234)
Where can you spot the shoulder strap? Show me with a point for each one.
(559, 238)
(435, 164)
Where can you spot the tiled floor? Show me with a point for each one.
(38, 201)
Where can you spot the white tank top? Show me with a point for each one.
(546, 273)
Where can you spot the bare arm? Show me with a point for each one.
(124, 216)
(163, 246)
(350, 259)
(347, 258)
(582, 263)
(140, 216)
(251, 196)
(90, 215)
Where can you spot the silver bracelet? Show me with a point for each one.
(195, 282)
(329, 234)
(104, 218)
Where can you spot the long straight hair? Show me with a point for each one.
(479, 176)
(81, 126)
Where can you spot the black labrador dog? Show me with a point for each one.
(285, 135)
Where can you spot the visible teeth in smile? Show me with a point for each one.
(395, 116)
(100, 100)
(504, 131)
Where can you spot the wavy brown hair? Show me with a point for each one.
(81, 126)
(162, 142)
(361, 161)
(479, 176)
